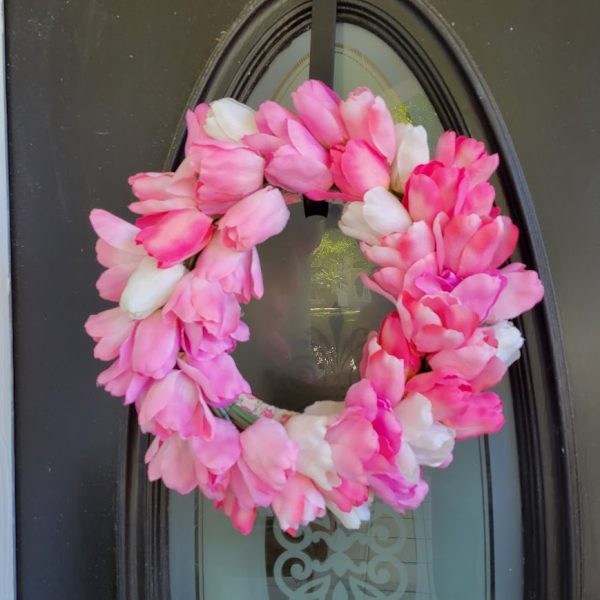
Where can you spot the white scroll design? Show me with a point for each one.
(327, 561)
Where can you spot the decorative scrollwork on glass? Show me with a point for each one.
(326, 561)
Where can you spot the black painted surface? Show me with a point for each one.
(96, 90)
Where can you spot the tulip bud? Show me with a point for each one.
(229, 120)
(149, 288)
(411, 150)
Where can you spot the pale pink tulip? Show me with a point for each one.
(236, 272)
(116, 250)
(356, 168)
(227, 171)
(254, 219)
(319, 109)
(366, 117)
(463, 152)
(297, 504)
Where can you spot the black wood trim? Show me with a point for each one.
(322, 54)
(549, 483)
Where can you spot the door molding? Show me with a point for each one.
(7, 479)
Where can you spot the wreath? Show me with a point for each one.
(180, 275)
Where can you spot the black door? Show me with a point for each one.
(97, 91)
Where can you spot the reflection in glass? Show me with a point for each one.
(307, 338)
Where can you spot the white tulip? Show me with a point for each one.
(354, 518)
(432, 443)
(354, 224)
(229, 120)
(149, 288)
(411, 150)
(379, 214)
(315, 457)
(510, 341)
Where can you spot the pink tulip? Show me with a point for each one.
(319, 109)
(173, 236)
(404, 258)
(433, 188)
(476, 361)
(457, 405)
(392, 340)
(275, 466)
(384, 371)
(116, 250)
(384, 468)
(295, 160)
(217, 376)
(198, 300)
(242, 517)
(194, 120)
(522, 291)
(472, 244)
(173, 462)
(214, 457)
(298, 503)
(435, 323)
(366, 117)
(175, 404)
(356, 168)
(210, 317)
(109, 329)
(198, 343)
(254, 219)
(155, 346)
(227, 171)
(467, 153)
(236, 272)
(160, 192)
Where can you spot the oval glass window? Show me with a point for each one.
(307, 338)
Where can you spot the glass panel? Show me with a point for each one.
(307, 337)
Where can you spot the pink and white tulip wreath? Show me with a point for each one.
(182, 271)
